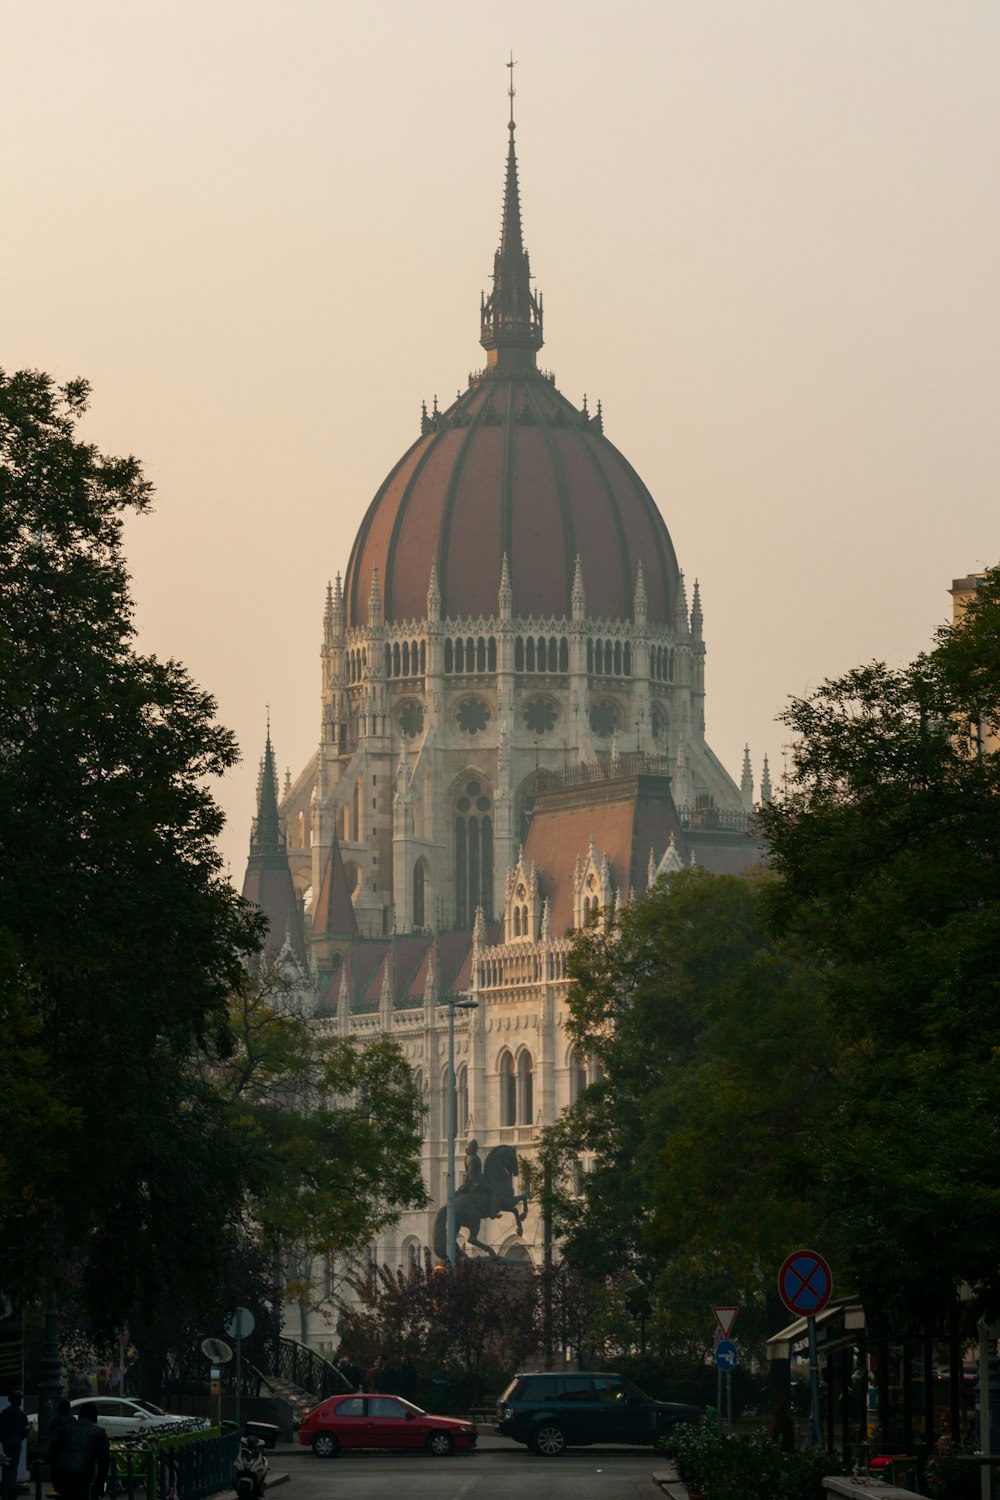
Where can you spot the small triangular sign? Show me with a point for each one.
(726, 1317)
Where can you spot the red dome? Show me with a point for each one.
(512, 468)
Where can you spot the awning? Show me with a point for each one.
(837, 1326)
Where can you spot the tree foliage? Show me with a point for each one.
(886, 847)
(119, 939)
(334, 1129)
(718, 1068)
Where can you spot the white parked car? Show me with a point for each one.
(119, 1415)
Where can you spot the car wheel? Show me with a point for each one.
(549, 1440)
(325, 1445)
(440, 1444)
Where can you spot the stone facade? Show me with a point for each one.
(511, 745)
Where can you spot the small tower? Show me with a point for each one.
(746, 781)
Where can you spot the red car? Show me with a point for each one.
(381, 1422)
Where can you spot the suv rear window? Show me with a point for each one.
(554, 1388)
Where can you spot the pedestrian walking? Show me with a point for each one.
(80, 1456)
(13, 1432)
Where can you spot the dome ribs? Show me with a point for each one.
(661, 539)
(570, 548)
(355, 588)
(392, 605)
(446, 535)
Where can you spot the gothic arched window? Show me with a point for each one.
(462, 1099)
(525, 1089)
(578, 1076)
(449, 656)
(508, 1091)
(564, 655)
(519, 654)
(418, 894)
(473, 853)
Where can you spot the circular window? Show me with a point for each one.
(473, 716)
(604, 719)
(411, 720)
(540, 715)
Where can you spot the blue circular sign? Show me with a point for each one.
(805, 1283)
(725, 1354)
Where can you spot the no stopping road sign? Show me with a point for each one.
(805, 1283)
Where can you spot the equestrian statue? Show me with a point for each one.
(487, 1191)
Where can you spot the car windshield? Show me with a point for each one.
(634, 1391)
(152, 1408)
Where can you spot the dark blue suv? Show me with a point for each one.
(551, 1412)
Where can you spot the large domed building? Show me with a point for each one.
(513, 738)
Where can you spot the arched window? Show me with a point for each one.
(406, 658)
(418, 894)
(423, 657)
(529, 656)
(462, 1099)
(627, 659)
(449, 656)
(412, 1259)
(519, 654)
(460, 655)
(508, 1091)
(525, 1089)
(590, 657)
(541, 658)
(395, 659)
(491, 654)
(473, 853)
(388, 661)
(577, 1076)
(553, 653)
(564, 655)
(481, 655)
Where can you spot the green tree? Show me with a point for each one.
(120, 941)
(334, 1130)
(718, 1068)
(886, 844)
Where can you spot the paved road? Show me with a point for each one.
(497, 1470)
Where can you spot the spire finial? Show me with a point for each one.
(511, 316)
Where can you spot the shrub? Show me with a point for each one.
(723, 1466)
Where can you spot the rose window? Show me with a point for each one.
(540, 715)
(604, 719)
(473, 716)
(411, 720)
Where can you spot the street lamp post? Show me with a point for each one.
(453, 1005)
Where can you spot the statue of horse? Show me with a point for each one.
(493, 1197)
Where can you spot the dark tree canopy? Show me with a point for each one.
(120, 941)
(887, 851)
(717, 1069)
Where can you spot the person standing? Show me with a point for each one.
(80, 1455)
(13, 1432)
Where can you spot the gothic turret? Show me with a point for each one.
(268, 880)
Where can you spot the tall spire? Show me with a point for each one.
(266, 836)
(511, 316)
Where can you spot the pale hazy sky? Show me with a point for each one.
(768, 235)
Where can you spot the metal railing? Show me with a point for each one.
(303, 1367)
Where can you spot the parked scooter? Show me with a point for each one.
(250, 1469)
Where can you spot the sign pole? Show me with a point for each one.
(814, 1423)
(805, 1285)
(718, 1395)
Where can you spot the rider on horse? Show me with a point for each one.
(474, 1180)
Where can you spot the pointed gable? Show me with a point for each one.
(333, 913)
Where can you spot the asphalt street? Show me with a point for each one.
(498, 1470)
